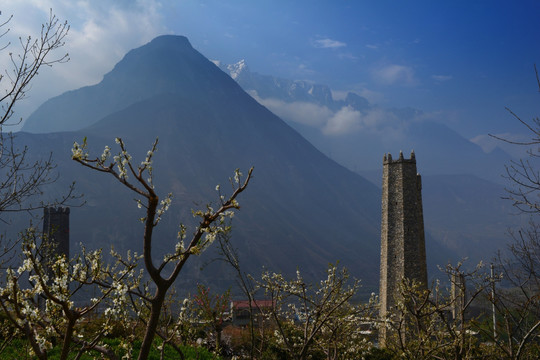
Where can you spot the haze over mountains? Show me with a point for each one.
(347, 128)
(463, 185)
(302, 209)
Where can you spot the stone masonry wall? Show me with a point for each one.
(403, 252)
(56, 228)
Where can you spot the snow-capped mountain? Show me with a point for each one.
(265, 86)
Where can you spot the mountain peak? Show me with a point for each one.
(235, 70)
(166, 65)
(171, 40)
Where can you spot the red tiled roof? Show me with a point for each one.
(244, 304)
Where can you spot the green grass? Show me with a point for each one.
(20, 350)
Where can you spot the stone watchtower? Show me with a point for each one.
(56, 229)
(55, 234)
(403, 251)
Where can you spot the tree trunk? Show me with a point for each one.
(218, 340)
(67, 339)
(155, 312)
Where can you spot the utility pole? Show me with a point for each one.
(493, 303)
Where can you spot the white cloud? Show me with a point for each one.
(489, 143)
(377, 121)
(300, 112)
(486, 142)
(348, 56)
(101, 32)
(106, 32)
(344, 121)
(441, 77)
(328, 44)
(380, 119)
(395, 74)
(339, 94)
(304, 69)
(373, 97)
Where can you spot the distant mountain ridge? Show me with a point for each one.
(377, 130)
(266, 86)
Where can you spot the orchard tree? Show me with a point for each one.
(138, 177)
(21, 180)
(308, 319)
(179, 323)
(37, 299)
(34, 54)
(230, 256)
(436, 323)
(320, 319)
(518, 305)
(523, 174)
(212, 309)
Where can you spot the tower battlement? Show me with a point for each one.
(387, 158)
(57, 210)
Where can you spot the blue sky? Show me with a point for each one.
(461, 62)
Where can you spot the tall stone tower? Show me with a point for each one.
(56, 229)
(403, 251)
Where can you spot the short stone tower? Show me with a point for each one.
(403, 251)
(56, 234)
(458, 292)
(56, 229)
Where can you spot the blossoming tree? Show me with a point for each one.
(21, 179)
(139, 179)
(318, 319)
(37, 298)
(212, 309)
